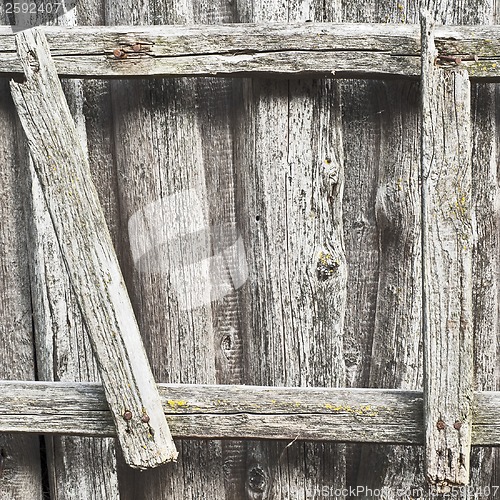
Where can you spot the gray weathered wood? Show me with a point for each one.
(290, 170)
(63, 351)
(396, 357)
(300, 49)
(383, 121)
(448, 228)
(486, 195)
(382, 203)
(20, 475)
(64, 354)
(63, 170)
(241, 411)
(215, 107)
(232, 411)
(163, 150)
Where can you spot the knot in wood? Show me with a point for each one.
(257, 479)
(326, 266)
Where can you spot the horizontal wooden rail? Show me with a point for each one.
(242, 412)
(305, 49)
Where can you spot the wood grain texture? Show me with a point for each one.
(290, 184)
(448, 238)
(62, 168)
(485, 261)
(365, 129)
(216, 109)
(395, 358)
(394, 465)
(379, 148)
(77, 466)
(19, 455)
(300, 49)
(242, 411)
(163, 150)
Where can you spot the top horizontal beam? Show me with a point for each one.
(278, 49)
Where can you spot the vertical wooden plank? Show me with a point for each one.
(290, 184)
(218, 101)
(164, 151)
(77, 466)
(485, 182)
(20, 475)
(293, 311)
(395, 119)
(362, 136)
(20, 460)
(448, 237)
(485, 262)
(397, 341)
(382, 211)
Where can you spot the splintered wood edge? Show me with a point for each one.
(94, 272)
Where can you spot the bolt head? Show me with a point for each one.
(440, 425)
(145, 418)
(127, 415)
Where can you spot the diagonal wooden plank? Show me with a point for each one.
(448, 236)
(88, 253)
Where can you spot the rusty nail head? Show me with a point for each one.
(145, 418)
(127, 415)
(117, 53)
(440, 425)
(136, 47)
(457, 425)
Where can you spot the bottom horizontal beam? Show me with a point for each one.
(242, 412)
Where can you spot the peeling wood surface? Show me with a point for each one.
(448, 228)
(86, 246)
(312, 49)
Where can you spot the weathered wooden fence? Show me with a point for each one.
(362, 226)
